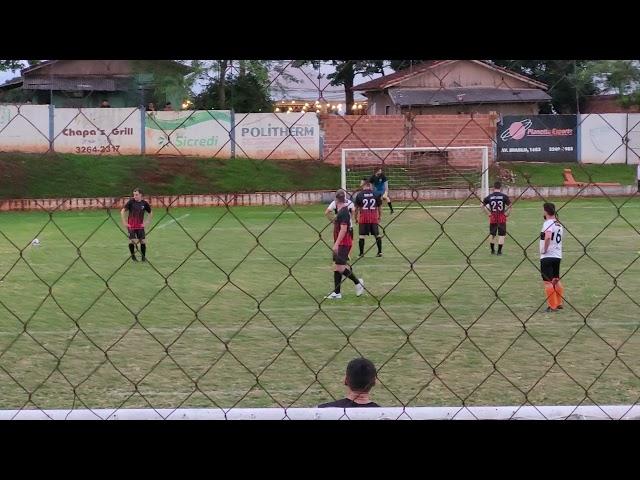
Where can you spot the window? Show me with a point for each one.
(387, 110)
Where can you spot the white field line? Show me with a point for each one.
(170, 222)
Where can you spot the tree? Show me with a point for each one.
(167, 80)
(568, 84)
(345, 73)
(241, 85)
(242, 93)
(6, 65)
(403, 64)
(621, 77)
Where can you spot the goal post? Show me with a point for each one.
(419, 167)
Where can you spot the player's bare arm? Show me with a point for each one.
(123, 213)
(148, 219)
(547, 241)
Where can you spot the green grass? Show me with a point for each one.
(550, 174)
(248, 331)
(66, 175)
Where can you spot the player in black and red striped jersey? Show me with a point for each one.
(368, 214)
(135, 223)
(341, 248)
(497, 205)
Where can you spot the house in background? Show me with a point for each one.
(453, 87)
(85, 83)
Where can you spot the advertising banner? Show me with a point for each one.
(537, 138)
(97, 131)
(278, 136)
(198, 133)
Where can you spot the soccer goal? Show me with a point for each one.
(419, 167)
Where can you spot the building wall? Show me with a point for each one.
(404, 131)
(486, 108)
(463, 74)
(378, 103)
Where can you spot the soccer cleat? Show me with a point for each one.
(559, 307)
(379, 254)
(550, 310)
(144, 259)
(134, 258)
(361, 255)
(360, 287)
(334, 296)
(492, 252)
(499, 253)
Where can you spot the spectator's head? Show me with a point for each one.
(361, 375)
(549, 210)
(497, 185)
(105, 103)
(168, 106)
(151, 106)
(137, 194)
(378, 172)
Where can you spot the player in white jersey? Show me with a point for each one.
(550, 257)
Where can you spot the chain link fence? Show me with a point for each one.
(228, 318)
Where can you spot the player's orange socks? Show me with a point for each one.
(551, 295)
(559, 296)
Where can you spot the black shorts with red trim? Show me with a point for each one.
(342, 257)
(369, 229)
(136, 233)
(497, 228)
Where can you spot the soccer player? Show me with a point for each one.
(381, 186)
(368, 214)
(359, 380)
(497, 205)
(135, 223)
(341, 248)
(550, 256)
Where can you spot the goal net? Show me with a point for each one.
(419, 167)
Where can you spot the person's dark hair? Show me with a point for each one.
(550, 208)
(139, 190)
(167, 104)
(361, 375)
(497, 185)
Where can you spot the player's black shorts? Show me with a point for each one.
(499, 228)
(342, 257)
(369, 229)
(550, 268)
(136, 233)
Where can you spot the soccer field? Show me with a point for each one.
(238, 318)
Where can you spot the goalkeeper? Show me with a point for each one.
(381, 186)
